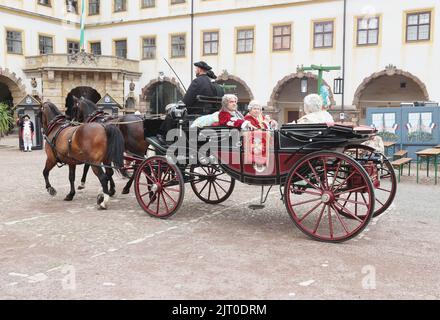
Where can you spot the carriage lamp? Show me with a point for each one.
(338, 86)
(304, 85)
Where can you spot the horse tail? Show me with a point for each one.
(115, 145)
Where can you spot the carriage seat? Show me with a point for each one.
(321, 135)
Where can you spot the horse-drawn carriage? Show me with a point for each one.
(330, 183)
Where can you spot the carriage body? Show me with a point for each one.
(311, 162)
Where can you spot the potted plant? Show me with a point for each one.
(5, 119)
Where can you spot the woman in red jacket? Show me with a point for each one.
(230, 116)
(255, 117)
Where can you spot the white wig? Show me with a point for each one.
(312, 103)
(254, 104)
(225, 100)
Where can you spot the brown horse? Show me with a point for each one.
(131, 127)
(70, 144)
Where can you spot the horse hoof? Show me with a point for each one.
(68, 197)
(100, 198)
(102, 208)
(112, 192)
(125, 191)
(52, 191)
(81, 187)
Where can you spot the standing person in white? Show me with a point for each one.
(27, 132)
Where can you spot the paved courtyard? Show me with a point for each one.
(52, 249)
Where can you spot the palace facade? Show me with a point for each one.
(387, 50)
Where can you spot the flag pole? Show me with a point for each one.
(81, 39)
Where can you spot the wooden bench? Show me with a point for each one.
(400, 154)
(400, 163)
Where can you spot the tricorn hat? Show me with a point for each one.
(203, 65)
(26, 116)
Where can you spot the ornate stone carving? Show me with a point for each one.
(224, 75)
(132, 86)
(390, 69)
(82, 57)
(33, 83)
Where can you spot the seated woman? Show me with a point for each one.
(314, 112)
(230, 116)
(255, 117)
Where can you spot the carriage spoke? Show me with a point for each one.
(309, 212)
(215, 190)
(336, 175)
(325, 178)
(330, 223)
(164, 201)
(172, 199)
(350, 190)
(314, 172)
(379, 202)
(343, 182)
(382, 189)
(354, 202)
(347, 211)
(340, 220)
(209, 191)
(220, 186)
(228, 181)
(307, 201)
(204, 187)
(310, 192)
(306, 180)
(319, 219)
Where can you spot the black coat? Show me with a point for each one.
(200, 86)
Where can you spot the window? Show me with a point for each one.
(72, 47)
(245, 40)
(323, 34)
(95, 48)
(418, 26)
(44, 2)
(177, 1)
(93, 7)
(149, 48)
(281, 37)
(45, 44)
(177, 46)
(120, 5)
(72, 6)
(148, 3)
(368, 31)
(121, 48)
(210, 43)
(14, 42)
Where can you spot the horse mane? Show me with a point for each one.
(91, 106)
(53, 108)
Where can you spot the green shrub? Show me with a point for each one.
(5, 119)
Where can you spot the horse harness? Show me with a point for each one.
(60, 119)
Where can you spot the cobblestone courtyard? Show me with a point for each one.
(52, 249)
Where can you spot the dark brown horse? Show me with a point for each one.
(131, 127)
(69, 144)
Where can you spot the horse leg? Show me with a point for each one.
(83, 178)
(127, 187)
(102, 198)
(71, 194)
(49, 165)
(109, 173)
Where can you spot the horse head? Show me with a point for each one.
(83, 108)
(48, 112)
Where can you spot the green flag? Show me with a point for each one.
(83, 17)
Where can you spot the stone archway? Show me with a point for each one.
(388, 88)
(10, 82)
(241, 90)
(287, 99)
(80, 91)
(160, 92)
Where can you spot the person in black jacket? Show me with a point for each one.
(202, 86)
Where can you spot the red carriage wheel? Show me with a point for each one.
(313, 192)
(210, 183)
(159, 187)
(385, 183)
